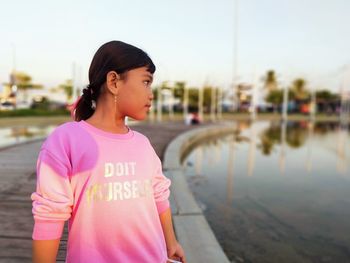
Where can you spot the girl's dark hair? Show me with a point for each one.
(114, 55)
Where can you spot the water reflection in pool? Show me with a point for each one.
(276, 193)
(18, 134)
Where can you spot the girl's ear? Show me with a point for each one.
(112, 82)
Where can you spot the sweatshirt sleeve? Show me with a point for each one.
(53, 198)
(160, 186)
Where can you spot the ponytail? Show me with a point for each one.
(85, 106)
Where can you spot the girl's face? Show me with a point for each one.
(135, 96)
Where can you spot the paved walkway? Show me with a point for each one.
(17, 182)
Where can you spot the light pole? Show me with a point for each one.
(13, 78)
(185, 103)
(313, 106)
(171, 104)
(235, 55)
(254, 97)
(285, 101)
(74, 81)
(159, 103)
(200, 103)
(213, 103)
(219, 105)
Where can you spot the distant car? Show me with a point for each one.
(7, 106)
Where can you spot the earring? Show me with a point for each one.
(115, 99)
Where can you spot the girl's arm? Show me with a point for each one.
(45, 251)
(174, 249)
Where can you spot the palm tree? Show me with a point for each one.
(179, 88)
(181, 92)
(272, 93)
(270, 81)
(67, 87)
(24, 83)
(299, 92)
(299, 89)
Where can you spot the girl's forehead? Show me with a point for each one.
(141, 72)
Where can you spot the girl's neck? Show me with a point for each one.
(108, 123)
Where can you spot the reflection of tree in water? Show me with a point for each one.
(26, 132)
(21, 131)
(296, 134)
(269, 138)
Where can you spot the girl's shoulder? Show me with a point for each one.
(60, 141)
(62, 133)
(65, 129)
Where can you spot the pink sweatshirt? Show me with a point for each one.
(111, 189)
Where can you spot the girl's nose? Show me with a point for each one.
(151, 95)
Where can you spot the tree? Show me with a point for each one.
(179, 90)
(275, 97)
(299, 89)
(24, 82)
(326, 95)
(207, 97)
(193, 97)
(67, 87)
(270, 81)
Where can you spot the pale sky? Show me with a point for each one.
(188, 40)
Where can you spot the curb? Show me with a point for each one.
(191, 227)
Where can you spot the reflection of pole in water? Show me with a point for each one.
(310, 129)
(199, 160)
(217, 150)
(283, 147)
(211, 148)
(341, 146)
(230, 170)
(252, 149)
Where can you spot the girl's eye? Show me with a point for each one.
(147, 81)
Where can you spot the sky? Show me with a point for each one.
(190, 40)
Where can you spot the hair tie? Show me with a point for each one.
(72, 107)
(87, 92)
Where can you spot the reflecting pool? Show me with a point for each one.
(19, 134)
(276, 192)
(11, 135)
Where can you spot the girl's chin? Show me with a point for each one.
(139, 117)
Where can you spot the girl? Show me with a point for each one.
(103, 177)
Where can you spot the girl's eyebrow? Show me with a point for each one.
(148, 75)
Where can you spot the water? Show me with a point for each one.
(24, 133)
(276, 193)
